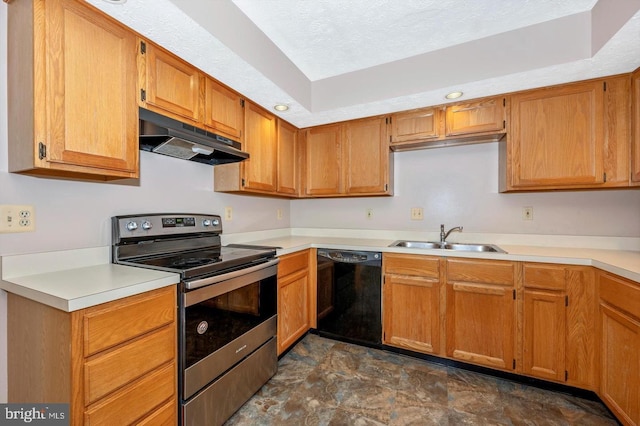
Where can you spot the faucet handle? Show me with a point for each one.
(442, 227)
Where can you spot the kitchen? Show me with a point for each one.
(470, 199)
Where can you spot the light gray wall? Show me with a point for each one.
(459, 186)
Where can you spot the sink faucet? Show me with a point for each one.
(444, 235)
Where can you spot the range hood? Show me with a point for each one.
(164, 135)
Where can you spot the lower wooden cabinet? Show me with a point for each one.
(294, 298)
(115, 363)
(480, 312)
(620, 346)
(559, 324)
(411, 302)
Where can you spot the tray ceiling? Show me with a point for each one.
(333, 60)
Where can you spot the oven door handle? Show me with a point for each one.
(227, 282)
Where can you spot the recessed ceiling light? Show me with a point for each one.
(281, 107)
(453, 95)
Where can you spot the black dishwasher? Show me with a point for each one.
(349, 296)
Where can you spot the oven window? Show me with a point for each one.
(211, 324)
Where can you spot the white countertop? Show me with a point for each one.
(76, 279)
(625, 263)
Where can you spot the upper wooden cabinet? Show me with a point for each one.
(224, 111)
(476, 118)
(323, 161)
(559, 324)
(288, 160)
(259, 171)
(635, 148)
(570, 136)
(483, 120)
(169, 85)
(347, 159)
(272, 167)
(72, 106)
(417, 125)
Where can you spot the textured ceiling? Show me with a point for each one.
(333, 60)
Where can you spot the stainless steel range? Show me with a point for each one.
(226, 303)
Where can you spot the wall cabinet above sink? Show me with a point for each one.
(482, 120)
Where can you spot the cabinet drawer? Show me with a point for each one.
(412, 265)
(475, 271)
(121, 320)
(620, 293)
(163, 416)
(115, 369)
(550, 277)
(134, 401)
(292, 263)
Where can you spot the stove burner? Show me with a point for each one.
(193, 262)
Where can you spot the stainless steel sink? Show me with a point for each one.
(473, 247)
(417, 244)
(447, 246)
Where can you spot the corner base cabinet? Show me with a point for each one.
(114, 363)
(620, 346)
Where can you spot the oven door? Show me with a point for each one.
(224, 322)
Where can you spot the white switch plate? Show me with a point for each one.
(527, 213)
(279, 214)
(369, 213)
(417, 213)
(228, 213)
(17, 218)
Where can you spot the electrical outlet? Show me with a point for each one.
(279, 214)
(18, 218)
(369, 213)
(527, 213)
(417, 213)
(228, 213)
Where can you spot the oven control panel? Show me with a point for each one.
(151, 225)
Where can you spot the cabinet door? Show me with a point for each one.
(172, 86)
(366, 157)
(259, 170)
(411, 304)
(635, 149)
(323, 160)
(288, 175)
(476, 117)
(223, 111)
(557, 136)
(620, 351)
(582, 326)
(544, 334)
(480, 312)
(293, 298)
(91, 111)
(417, 125)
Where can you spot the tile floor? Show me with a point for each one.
(325, 382)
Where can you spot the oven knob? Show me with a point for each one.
(202, 327)
(206, 222)
(132, 226)
(146, 225)
(216, 222)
